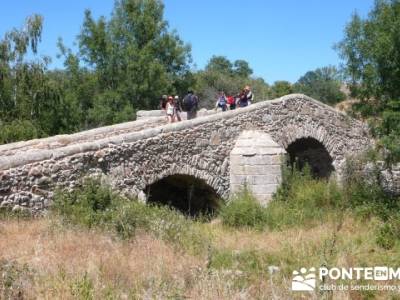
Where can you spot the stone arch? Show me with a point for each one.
(321, 146)
(188, 190)
(289, 134)
(313, 153)
(186, 170)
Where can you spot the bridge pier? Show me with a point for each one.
(256, 163)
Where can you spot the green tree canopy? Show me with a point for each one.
(322, 84)
(281, 88)
(371, 53)
(135, 58)
(220, 74)
(32, 104)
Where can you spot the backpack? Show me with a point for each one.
(188, 102)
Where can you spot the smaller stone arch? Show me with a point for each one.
(331, 142)
(291, 133)
(313, 153)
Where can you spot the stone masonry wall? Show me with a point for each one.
(256, 162)
(199, 147)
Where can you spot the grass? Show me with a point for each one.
(49, 260)
(98, 245)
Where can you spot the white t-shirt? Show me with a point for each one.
(170, 109)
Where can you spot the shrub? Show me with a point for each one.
(363, 192)
(302, 200)
(94, 204)
(389, 232)
(87, 205)
(243, 210)
(18, 130)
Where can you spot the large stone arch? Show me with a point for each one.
(185, 169)
(193, 192)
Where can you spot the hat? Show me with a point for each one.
(164, 97)
(176, 97)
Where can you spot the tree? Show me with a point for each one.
(371, 53)
(135, 59)
(219, 64)
(242, 68)
(322, 84)
(220, 74)
(32, 104)
(281, 88)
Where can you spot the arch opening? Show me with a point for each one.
(313, 153)
(188, 194)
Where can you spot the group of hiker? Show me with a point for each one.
(173, 106)
(243, 99)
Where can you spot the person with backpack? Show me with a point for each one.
(190, 105)
(245, 97)
(222, 101)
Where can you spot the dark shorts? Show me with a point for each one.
(191, 114)
(224, 107)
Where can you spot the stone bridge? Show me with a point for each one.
(209, 156)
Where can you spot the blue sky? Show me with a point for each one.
(281, 39)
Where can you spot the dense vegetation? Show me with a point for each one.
(371, 52)
(124, 63)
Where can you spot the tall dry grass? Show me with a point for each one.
(58, 262)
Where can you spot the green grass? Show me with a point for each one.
(96, 205)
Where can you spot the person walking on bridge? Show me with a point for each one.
(222, 101)
(246, 97)
(170, 109)
(191, 105)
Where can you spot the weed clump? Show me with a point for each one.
(96, 205)
(243, 210)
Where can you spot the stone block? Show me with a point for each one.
(263, 189)
(256, 159)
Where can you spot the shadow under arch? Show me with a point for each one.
(186, 193)
(312, 152)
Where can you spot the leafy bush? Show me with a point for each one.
(243, 210)
(302, 200)
(389, 232)
(94, 204)
(18, 130)
(89, 205)
(363, 191)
